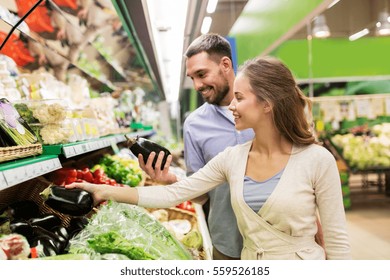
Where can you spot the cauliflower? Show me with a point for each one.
(55, 134)
(49, 113)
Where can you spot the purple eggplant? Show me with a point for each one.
(144, 147)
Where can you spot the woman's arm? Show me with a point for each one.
(331, 210)
(101, 192)
(199, 183)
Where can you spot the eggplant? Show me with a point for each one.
(64, 237)
(57, 241)
(24, 209)
(73, 202)
(76, 224)
(144, 147)
(61, 231)
(47, 221)
(45, 245)
(22, 227)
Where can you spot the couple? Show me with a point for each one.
(279, 178)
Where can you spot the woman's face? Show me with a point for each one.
(208, 78)
(247, 110)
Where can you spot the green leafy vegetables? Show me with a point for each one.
(129, 230)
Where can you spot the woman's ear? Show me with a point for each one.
(267, 107)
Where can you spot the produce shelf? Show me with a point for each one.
(383, 183)
(77, 148)
(19, 171)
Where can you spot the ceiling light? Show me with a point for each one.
(383, 25)
(206, 25)
(211, 6)
(359, 34)
(320, 28)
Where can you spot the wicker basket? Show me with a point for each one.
(177, 213)
(15, 152)
(30, 190)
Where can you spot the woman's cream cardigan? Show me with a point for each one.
(285, 226)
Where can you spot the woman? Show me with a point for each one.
(278, 181)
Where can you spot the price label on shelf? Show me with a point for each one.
(363, 108)
(94, 145)
(69, 151)
(120, 138)
(387, 105)
(15, 176)
(21, 174)
(3, 182)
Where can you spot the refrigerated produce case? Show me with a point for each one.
(112, 70)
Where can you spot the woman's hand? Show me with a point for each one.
(156, 174)
(98, 192)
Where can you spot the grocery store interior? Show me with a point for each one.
(78, 79)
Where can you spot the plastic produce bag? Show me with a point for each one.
(129, 230)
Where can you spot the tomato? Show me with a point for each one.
(186, 205)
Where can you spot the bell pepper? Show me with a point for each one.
(87, 176)
(65, 175)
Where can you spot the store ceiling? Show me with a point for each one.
(259, 26)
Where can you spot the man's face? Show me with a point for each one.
(208, 78)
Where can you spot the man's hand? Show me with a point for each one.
(156, 174)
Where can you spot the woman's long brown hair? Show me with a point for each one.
(274, 83)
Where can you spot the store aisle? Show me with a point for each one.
(369, 224)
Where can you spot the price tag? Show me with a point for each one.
(69, 151)
(120, 138)
(387, 106)
(30, 172)
(94, 145)
(378, 107)
(107, 142)
(56, 163)
(329, 110)
(78, 149)
(3, 182)
(362, 107)
(15, 176)
(51, 165)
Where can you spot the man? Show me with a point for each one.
(209, 130)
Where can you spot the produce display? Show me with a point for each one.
(47, 119)
(14, 130)
(367, 148)
(123, 170)
(129, 230)
(44, 233)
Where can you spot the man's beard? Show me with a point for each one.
(220, 94)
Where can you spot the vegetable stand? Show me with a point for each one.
(24, 188)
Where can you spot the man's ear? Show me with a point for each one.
(226, 63)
